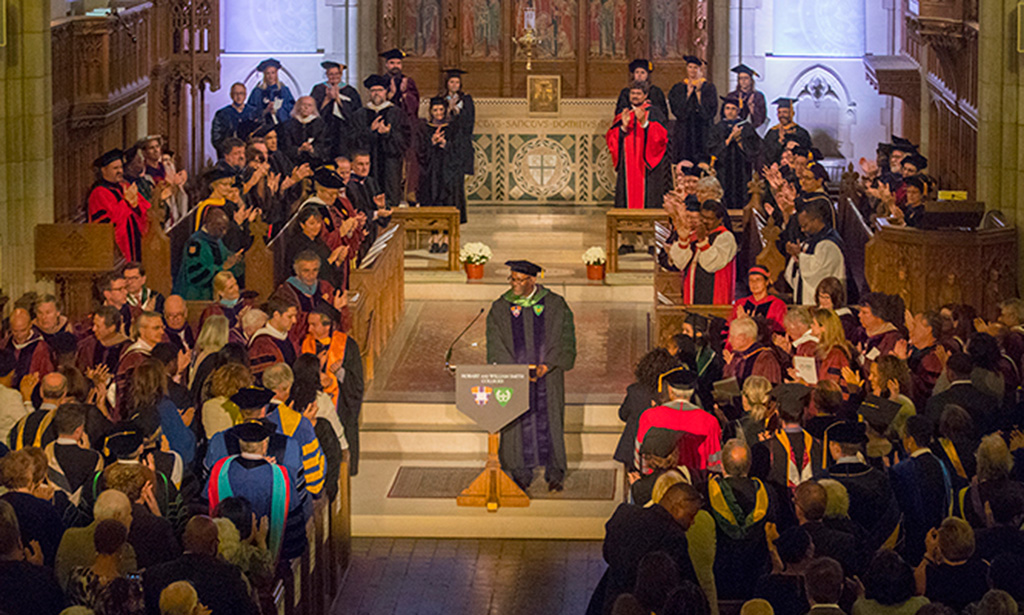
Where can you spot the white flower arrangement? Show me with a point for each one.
(595, 255)
(475, 253)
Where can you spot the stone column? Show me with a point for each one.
(26, 147)
(1001, 114)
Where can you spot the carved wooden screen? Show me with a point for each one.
(589, 43)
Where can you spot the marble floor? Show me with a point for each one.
(396, 576)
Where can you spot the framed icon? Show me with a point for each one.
(543, 95)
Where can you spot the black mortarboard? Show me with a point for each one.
(643, 63)
(265, 130)
(899, 144)
(123, 444)
(847, 432)
(920, 162)
(901, 141)
(699, 322)
(251, 398)
(731, 99)
(800, 150)
(265, 64)
(660, 442)
(376, 81)
(815, 153)
(253, 128)
(129, 155)
(394, 54)
(702, 159)
(693, 60)
(878, 412)
(693, 171)
(453, 72)
(329, 64)
(916, 181)
(819, 171)
(108, 157)
(220, 171)
(791, 396)
(254, 431)
(438, 100)
(783, 101)
(741, 69)
(327, 177)
(525, 267)
(681, 378)
(692, 202)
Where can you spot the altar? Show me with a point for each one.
(560, 158)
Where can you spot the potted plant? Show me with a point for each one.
(473, 255)
(595, 258)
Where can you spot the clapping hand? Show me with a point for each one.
(232, 260)
(273, 181)
(28, 384)
(340, 299)
(782, 342)
(727, 356)
(187, 416)
(793, 249)
(868, 167)
(131, 194)
(852, 378)
(338, 254)
(34, 553)
(900, 350)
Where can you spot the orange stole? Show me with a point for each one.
(335, 353)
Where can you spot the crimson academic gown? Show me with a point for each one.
(771, 308)
(30, 357)
(638, 153)
(267, 347)
(708, 266)
(107, 205)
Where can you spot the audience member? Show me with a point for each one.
(38, 519)
(949, 572)
(150, 535)
(77, 547)
(888, 587)
(101, 586)
(22, 573)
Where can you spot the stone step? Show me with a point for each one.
(631, 287)
(381, 416)
(425, 442)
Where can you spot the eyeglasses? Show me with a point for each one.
(516, 280)
(118, 289)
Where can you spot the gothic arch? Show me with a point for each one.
(828, 110)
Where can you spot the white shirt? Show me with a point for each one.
(810, 269)
(12, 409)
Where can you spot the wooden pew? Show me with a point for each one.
(419, 221)
(619, 221)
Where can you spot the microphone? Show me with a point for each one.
(448, 354)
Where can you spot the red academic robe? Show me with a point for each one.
(30, 357)
(306, 304)
(700, 449)
(266, 349)
(638, 153)
(757, 360)
(702, 287)
(107, 205)
(132, 357)
(771, 308)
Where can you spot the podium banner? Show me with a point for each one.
(492, 395)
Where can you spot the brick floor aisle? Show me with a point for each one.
(409, 576)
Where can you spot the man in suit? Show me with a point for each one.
(72, 462)
(962, 392)
(872, 503)
(76, 546)
(633, 532)
(809, 500)
(220, 585)
(923, 487)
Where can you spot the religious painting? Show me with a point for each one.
(543, 93)
(421, 27)
(269, 26)
(481, 28)
(669, 29)
(607, 29)
(556, 22)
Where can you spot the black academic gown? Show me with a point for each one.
(632, 533)
(923, 488)
(462, 115)
(339, 117)
(734, 162)
(294, 133)
(386, 150)
(771, 150)
(872, 503)
(654, 94)
(442, 171)
(693, 120)
(226, 123)
(541, 333)
(361, 191)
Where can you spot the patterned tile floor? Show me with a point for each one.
(405, 576)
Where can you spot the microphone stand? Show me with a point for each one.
(448, 354)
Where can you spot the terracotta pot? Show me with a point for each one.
(474, 272)
(595, 272)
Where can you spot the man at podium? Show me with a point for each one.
(530, 325)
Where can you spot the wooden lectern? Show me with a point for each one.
(493, 396)
(75, 256)
(931, 268)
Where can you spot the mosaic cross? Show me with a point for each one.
(542, 167)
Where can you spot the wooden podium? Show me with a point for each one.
(75, 256)
(930, 268)
(493, 396)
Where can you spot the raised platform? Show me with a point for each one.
(409, 417)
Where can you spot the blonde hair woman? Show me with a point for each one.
(225, 381)
(212, 337)
(756, 414)
(834, 351)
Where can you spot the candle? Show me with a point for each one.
(529, 19)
